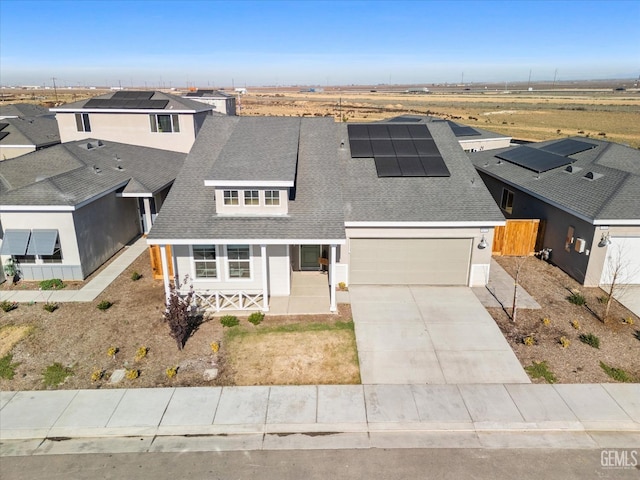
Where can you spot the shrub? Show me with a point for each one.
(564, 341)
(576, 298)
(541, 370)
(178, 316)
(97, 375)
(52, 284)
(256, 318)
(111, 352)
(135, 276)
(55, 374)
(602, 299)
(616, 373)
(342, 286)
(575, 324)
(104, 305)
(141, 353)
(229, 321)
(637, 334)
(132, 374)
(172, 372)
(590, 339)
(7, 306)
(528, 341)
(546, 321)
(50, 307)
(215, 346)
(628, 320)
(7, 369)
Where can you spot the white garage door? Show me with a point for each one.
(410, 261)
(624, 252)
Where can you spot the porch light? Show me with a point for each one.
(605, 240)
(483, 243)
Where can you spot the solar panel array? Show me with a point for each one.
(133, 95)
(403, 119)
(460, 130)
(3, 125)
(126, 103)
(568, 146)
(398, 150)
(534, 159)
(3, 134)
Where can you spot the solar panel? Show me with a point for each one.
(404, 148)
(460, 131)
(132, 95)
(418, 131)
(378, 132)
(3, 134)
(358, 132)
(383, 148)
(434, 166)
(3, 125)
(403, 119)
(534, 159)
(360, 148)
(568, 146)
(398, 132)
(411, 167)
(387, 167)
(426, 147)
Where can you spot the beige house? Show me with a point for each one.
(24, 134)
(144, 118)
(220, 101)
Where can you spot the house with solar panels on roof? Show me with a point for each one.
(262, 201)
(220, 101)
(145, 118)
(587, 193)
(67, 209)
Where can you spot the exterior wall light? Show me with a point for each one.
(483, 243)
(605, 240)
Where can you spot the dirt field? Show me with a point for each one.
(78, 335)
(579, 362)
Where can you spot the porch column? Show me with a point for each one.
(265, 276)
(165, 271)
(147, 213)
(332, 281)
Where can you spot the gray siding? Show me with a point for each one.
(47, 271)
(103, 227)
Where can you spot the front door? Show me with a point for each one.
(309, 255)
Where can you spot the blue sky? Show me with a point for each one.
(218, 43)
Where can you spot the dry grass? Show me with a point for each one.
(10, 335)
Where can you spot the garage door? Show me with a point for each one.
(411, 261)
(625, 253)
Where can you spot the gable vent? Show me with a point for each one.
(592, 175)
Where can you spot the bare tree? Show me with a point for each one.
(516, 283)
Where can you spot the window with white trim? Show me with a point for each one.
(231, 197)
(251, 197)
(272, 197)
(506, 203)
(205, 262)
(239, 260)
(164, 123)
(82, 122)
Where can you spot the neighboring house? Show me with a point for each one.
(586, 191)
(220, 101)
(21, 135)
(66, 210)
(471, 139)
(144, 118)
(262, 197)
(15, 110)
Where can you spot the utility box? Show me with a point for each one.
(580, 245)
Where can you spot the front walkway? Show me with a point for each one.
(434, 335)
(320, 416)
(309, 295)
(92, 289)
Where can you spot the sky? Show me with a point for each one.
(203, 43)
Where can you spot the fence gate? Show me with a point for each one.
(156, 261)
(518, 237)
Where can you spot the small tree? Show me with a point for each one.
(618, 273)
(180, 316)
(516, 283)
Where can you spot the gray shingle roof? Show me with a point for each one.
(175, 103)
(418, 119)
(22, 110)
(462, 197)
(613, 196)
(69, 174)
(39, 131)
(314, 213)
(209, 94)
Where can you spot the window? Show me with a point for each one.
(82, 122)
(272, 197)
(21, 259)
(164, 123)
(55, 257)
(507, 200)
(231, 197)
(251, 197)
(569, 240)
(204, 258)
(239, 261)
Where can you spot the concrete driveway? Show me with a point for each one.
(436, 335)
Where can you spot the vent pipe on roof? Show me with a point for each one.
(96, 170)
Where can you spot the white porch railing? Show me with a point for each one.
(229, 300)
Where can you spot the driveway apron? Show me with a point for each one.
(434, 335)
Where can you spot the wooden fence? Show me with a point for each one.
(518, 237)
(156, 261)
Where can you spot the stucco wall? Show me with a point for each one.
(478, 144)
(12, 152)
(104, 227)
(131, 128)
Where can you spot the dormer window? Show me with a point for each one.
(231, 197)
(272, 197)
(251, 197)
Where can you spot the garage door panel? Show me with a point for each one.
(415, 261)
(625, 253)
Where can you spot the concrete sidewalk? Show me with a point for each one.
(320, 417)
(499, 291)
(91, 290)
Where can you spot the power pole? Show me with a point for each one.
(55, 90)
